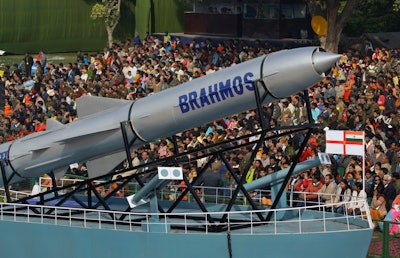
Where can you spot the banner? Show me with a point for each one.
(345, 142)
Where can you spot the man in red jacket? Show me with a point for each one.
(309, 196)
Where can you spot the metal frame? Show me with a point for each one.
(94, 200)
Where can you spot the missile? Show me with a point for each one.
(96, 137)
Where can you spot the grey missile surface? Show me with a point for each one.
(96, 136)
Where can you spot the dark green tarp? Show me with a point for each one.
(54, 26)
(65, 25)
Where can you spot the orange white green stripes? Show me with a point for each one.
(345, 142)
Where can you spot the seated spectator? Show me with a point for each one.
(369, 182)
(294, 181)
(46, 183)
(343, 195)
(379, 206)
(358, 200)
(310, 194)
(328, 190)
(389, 191)
(394, 216)
(254, 170)
(396, 181)
(377, 185)
(356, 167)
(305, 181)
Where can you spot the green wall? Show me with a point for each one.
(65, 25)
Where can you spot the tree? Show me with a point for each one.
(336, 13)
(372, 16)
(396, 5)
(109, 10)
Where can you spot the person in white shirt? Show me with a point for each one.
(358, 200)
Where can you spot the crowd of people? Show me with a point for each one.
(361, 93)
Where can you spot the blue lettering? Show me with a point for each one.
(193, 100)
(237, 85)
(225, 89)
(248, 81)
(203, 97)
(213, 93)
(183, 103)
(3, 157)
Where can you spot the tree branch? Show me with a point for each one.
(348, 8)
(315, 8)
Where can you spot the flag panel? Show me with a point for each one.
(345, 142)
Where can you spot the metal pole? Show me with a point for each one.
(385, 240)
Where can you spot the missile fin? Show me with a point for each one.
(53, 124)
(85, 136)
(59, 172)
(39, 148)
(105, 164)
(88, 105)
(34, 135)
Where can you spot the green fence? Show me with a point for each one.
(383, 244)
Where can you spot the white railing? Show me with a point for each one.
(302, 220)
(14, 195)
(171, 192)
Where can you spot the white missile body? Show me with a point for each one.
(96, 137)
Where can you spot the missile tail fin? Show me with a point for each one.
(79, 138)
(39, 149)
(105, 164)
(90, 105)
(53, 124)
(59, 172)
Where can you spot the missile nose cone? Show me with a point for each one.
(323, 61)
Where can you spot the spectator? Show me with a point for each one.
(389, 191)
(358, 200)
(343, 195)
(379, 206)
(100, 74)
(396, 181)
(210, 180)
(310, 194)
(328, 190)
(394, 216)
(28, 62)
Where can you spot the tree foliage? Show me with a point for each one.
(372, 16)
(110, 12)
(396, 5)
